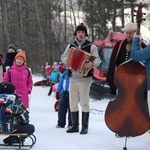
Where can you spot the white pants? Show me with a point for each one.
(79, 93)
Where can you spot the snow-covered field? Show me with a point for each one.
(44, 117)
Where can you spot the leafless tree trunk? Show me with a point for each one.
(39, 22)
(5, 21)
(21, 23)
(73, 12)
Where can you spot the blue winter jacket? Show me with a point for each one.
(64, 83)
(141, 55)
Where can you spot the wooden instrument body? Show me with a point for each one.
(128, 114)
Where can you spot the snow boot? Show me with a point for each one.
(85, 122)
(75, 123)
(50, 90)
(9, 140)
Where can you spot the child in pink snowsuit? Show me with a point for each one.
(21, 77)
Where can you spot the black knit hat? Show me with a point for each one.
(13, 46)
(81, 27)
(7, 88)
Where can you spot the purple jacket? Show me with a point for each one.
(22, 79)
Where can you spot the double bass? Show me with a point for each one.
(128, 113)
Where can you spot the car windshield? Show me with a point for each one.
(105, 57)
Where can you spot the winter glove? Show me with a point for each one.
(57, 95)
(56, 105)
(29, 90)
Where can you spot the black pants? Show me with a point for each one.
(64, 107)
(25, 128)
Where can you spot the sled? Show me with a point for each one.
(42, 83)
(21, 144)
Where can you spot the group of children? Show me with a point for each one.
(16, 71)
(58, 77)
(53, 74)
(15, 87)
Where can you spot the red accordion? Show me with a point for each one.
(76, 59)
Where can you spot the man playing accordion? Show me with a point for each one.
(79, 84)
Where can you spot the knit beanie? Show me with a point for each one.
(7, 88)
(13, 46)
(21, 54)
(81, 27)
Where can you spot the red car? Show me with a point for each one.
(105, 48)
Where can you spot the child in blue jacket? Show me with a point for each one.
(62, 93)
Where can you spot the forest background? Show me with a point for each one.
(43, 28)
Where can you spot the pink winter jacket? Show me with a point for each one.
(22, 79)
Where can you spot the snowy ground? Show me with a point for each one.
(44, 117)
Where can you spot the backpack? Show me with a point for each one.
(7, 122)
(12, 112)
(54, 76)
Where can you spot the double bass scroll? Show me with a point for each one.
(139, 17)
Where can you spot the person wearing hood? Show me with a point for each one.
(80, 85)
(54, 78)
(11, 53)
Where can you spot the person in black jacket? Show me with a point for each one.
(120, 54)
(14, 116)
(11, 53)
